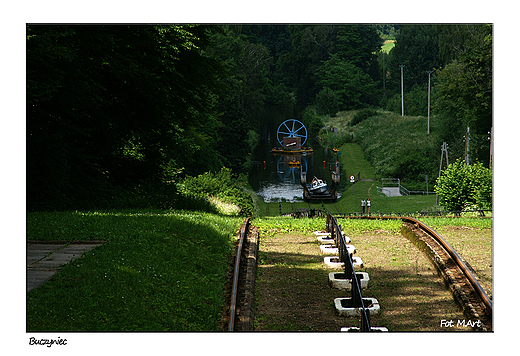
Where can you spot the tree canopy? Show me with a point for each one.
(119, 111)
(464, 93)
(112, 106)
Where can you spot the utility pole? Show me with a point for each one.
(444, 150)
(429, 72)
(491, 149)
(467, 145)
(402, 94)
(384, 74)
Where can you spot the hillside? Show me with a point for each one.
(396, 146)
(352, 162)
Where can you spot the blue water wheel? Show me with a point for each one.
(291, 128)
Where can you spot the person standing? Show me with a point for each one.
(368, 206)
(363, 203)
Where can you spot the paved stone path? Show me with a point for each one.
(45, 259)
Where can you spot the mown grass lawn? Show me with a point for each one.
(292, 290)
(157, 271)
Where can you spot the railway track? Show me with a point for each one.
(458, 275)
(456, 272)
(240, 315)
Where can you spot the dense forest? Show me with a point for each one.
(117, 114)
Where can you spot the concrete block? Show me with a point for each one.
(325, 240)
(372, 329)
(338, 280)
(343, 307)
(333, 262)
(357, 262)
(331, 250)
(322, 233)
(329, 240)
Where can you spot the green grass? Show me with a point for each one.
(395, 146)
(287, 224)
(469, 222)
(353, 161)
(387, 46)
(350, 201)
(157, 271)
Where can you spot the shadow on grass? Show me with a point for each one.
(293, 293)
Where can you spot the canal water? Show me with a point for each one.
(275, 180)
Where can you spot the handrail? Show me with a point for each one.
(234, 291)
(423, 213)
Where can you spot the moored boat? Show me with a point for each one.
(318, 186)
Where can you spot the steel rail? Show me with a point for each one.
(453, 254)
(234, 290)
(450, 250)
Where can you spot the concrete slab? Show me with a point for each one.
(372, 329)
(36, 278)
(43, 247)
(338, 280)
(78, 249)
(35, 257)
(333, 262)
(44, 260)
(37, 252)
(343, 308)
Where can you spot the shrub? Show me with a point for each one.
(463, 186)
(362, 115)
(221, 189)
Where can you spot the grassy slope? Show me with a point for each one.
(384, 141)
(396, 146)
(158, 271)
(352, 160)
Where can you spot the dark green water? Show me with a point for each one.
(278, 181)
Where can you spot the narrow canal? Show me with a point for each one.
(274, 179)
